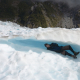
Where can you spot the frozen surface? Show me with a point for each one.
(24, 57)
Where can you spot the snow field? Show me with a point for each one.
(26, 58)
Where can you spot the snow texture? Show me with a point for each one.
(24, 57)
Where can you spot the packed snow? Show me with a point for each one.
(23, 55)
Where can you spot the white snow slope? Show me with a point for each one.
(24, 57)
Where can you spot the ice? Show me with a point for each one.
(23, 55)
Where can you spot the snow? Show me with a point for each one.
(24, 57)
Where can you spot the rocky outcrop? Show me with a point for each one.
(34, 14)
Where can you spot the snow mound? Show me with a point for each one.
(11, 30)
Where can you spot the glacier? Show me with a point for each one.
(23, 55)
